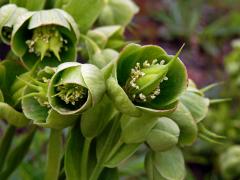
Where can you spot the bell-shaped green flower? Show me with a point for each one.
(149, 79)
(8, 16)
(75, 87)
(47, 35)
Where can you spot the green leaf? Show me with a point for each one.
(16, 156)
(85, 12)
(123, 153)
(168, 165)
(30, 5)
(94, 120)
(73, 153)
(136, 129)
(5, 144)
(117, 12)
(187, 125)
(109, 174)
(196, 104)
(164, 135)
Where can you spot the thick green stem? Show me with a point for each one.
(84, 161)
(5, 144)
(99, 166)
(115, 148)
(54, 155)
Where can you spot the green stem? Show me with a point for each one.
(54, 155)
(84, 161)
(115, 148)
(6, 143)
(99, 166)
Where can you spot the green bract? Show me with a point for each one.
(48, 35)
(148, 79)
(75, 87)
(9, 13)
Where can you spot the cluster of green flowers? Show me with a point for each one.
(124, 95)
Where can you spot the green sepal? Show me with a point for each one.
(170, 90)
(168, 165)
(9, 14)
(164, 135)
(187, 125)
(117, 12)
(120, 99)
(85, 75)
(44, 116)
(30, 22)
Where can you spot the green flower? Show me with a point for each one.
(48, 35)
(56, 96)
(149, 80)
(9, 14)
(75, 87)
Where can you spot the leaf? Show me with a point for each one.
(73, 153)
(94, 120)
(16, 156)
(109, 174)
(117, 12)
(136, 129)
(168, 165)
(29, 4)
(196, 104)
(85, 12)
(164, 135)
(188, 127)
(123, 153)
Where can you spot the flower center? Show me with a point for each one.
(143, 84)
(47, 40)
(71, 93)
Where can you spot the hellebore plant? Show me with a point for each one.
(119, 97)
